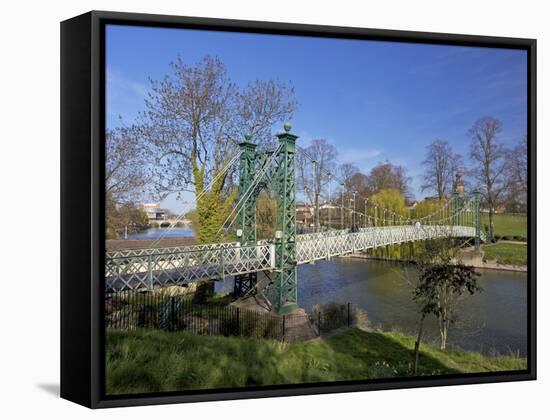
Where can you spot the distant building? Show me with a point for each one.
(153, 210)
(305, 213)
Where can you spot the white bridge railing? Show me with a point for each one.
(153, 268)
(150, 269)
(318, 246)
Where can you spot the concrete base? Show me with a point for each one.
(252, 303)
(288, 308)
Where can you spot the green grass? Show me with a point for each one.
(506, 253)
(155, 361)
(507, 224)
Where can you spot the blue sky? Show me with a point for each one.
(374, 100)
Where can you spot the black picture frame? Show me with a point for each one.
(82, 202)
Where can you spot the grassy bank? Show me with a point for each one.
(507, 225)
(153, 361)
(506, 253)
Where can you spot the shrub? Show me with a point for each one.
(337, 315)
(230, 326)
(110, 233)
(147, 316)
(205, 290)
(360, 319)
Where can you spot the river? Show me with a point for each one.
(494, 320)
(153, 233)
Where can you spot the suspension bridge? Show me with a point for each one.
(157, 267)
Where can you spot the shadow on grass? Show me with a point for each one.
(153, 361)
(384, 356)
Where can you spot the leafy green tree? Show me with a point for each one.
(193, 216)
(266, 215)
(441, 285)
(390, 199)
(427, 207)
(123, 218)
(212, 208)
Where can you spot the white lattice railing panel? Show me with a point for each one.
(168, 250)
(316, 246)
(152, 268)
(149, 271)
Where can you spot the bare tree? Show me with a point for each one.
(488, 156)
(125, 166)
(316, 169)
(195, 117)
(346, 172)
(441, 165)
(516, 173)
(386, 175)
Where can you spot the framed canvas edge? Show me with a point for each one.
(98, 19)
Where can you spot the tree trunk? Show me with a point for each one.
(417, 344)
(317, 213)
(443, 330)
(491, 224)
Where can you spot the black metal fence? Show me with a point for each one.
(332, 316)
(128, 311)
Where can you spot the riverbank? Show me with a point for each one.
(491, 259)
(118, 244)
(157, 361)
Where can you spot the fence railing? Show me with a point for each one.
(131, 311)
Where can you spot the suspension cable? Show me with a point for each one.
(250, 189)
(222, 172)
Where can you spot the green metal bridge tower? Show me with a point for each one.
(282, 182)
(244, 283)
(459, 202)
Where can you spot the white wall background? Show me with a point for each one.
(29, 174)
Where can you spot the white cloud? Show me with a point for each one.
(125, 97)
(121, 85)
(357, 155)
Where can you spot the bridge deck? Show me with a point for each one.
(153, 268)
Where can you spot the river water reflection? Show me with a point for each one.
(493, 320)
